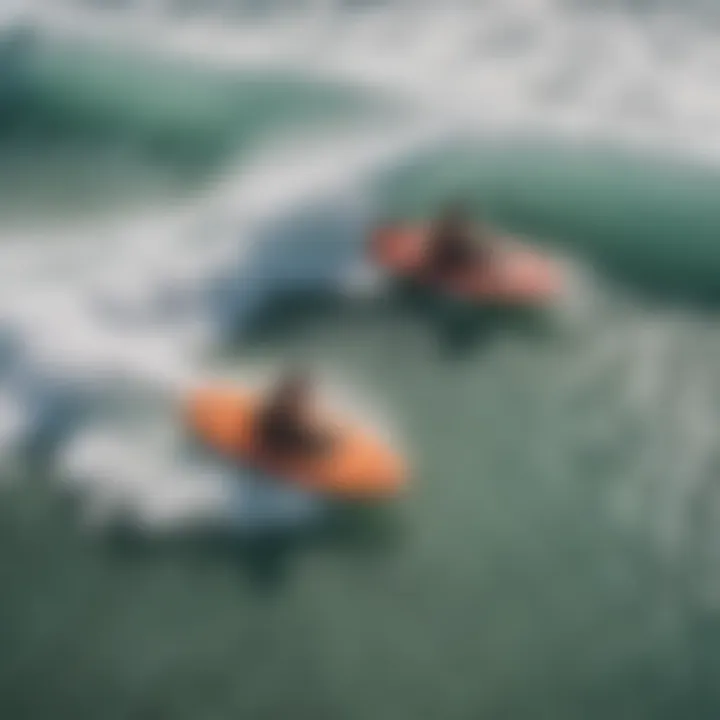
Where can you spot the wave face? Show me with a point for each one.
(186, 191)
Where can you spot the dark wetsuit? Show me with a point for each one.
(282, 433)
(452, 249)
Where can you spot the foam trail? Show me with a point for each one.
(115, 337)
(166, 491)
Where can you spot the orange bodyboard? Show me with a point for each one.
(357, 465)
(513, 275)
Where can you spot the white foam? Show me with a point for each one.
(96, 332)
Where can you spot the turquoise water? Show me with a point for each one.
(556, 553)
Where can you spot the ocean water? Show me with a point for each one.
(186, 188)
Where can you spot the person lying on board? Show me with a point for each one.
(285, 422)
(455, 244)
